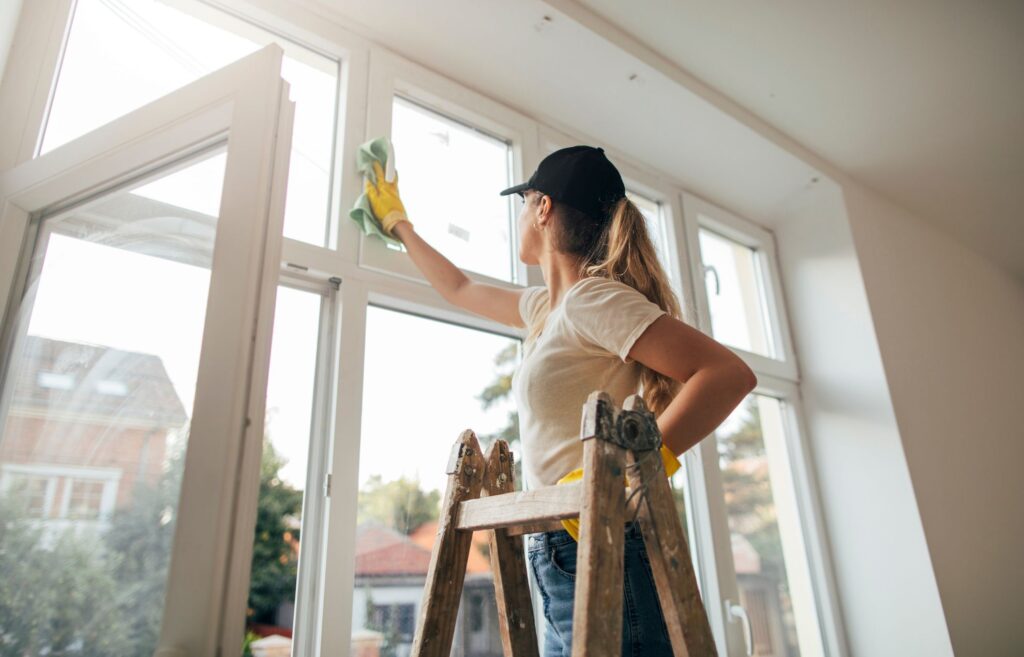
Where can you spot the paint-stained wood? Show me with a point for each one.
(674, 576)
(480, 494)
(525, 512)
(508, 564)
(447, 570)
(518, 507)
(597, 608)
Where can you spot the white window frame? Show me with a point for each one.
(779, 379)
(244, 105)
(391, 76)
(702, 214)
(34, 58)
(107, 499)
(9, 472)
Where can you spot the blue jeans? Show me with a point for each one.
(553, 560)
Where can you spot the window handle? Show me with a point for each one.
(734, 610)
(711, 269)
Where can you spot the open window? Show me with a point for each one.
(138, 274)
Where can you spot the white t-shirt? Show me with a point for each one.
(583, 347)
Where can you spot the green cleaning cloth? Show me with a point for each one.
(375, 150)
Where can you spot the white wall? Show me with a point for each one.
(950, 327)
(884, 581)
(9, 10)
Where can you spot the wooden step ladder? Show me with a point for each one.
(480, 494)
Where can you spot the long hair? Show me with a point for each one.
(619, 249)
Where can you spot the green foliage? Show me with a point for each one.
(63, 599)
(102, 593)
(274, 561)
(250, 636)
(496, 391)
(399, 504)
(103, 596)
(748, 493)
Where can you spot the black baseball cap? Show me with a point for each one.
(579, 176)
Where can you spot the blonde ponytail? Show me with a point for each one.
(621, 250)
(628, 255)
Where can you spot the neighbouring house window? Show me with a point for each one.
(397, 616)
(86, 498)
(31, 493)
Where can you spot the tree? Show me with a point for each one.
(274, 561)
(399, 504)
(496, 391)
(103, 595)
(748, 493)
(58, 600)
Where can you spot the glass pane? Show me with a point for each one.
(767, 540)
(736, 296)
(681, 496)
(402, 461)
(450, 176)
(655, 226)
(121, 55)
(272, 584)
(95, 415)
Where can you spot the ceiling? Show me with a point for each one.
(921, 100)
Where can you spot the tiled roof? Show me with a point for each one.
(54, 376)
(381, 550)
(425, 534)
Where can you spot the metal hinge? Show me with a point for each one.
(327, 485)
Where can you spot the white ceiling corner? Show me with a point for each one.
(921, 101)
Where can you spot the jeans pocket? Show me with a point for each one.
(545, 599)
(563, 560)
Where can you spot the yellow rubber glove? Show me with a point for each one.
(385, 202)
(572, 525)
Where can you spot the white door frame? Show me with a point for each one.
(245, 106)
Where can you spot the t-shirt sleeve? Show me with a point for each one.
(529, 303)
(611, 315)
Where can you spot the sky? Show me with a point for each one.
(421, 376)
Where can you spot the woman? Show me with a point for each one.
(605, 319)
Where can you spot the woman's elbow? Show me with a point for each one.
(745, 377)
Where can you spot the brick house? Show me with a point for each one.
(82, 426)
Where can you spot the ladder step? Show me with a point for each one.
(527, 511)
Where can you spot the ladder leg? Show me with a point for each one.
(597, 614)
(447, 572)
(508, 564)
(669, 555)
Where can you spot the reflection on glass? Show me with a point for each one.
(95, 412)
(121, 55)
(736, 296)
(426, 382)
(450, 176)
(767, 540)
(681, 497)
(651, 210)
(275, 555)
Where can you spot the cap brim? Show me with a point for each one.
(521, 187)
